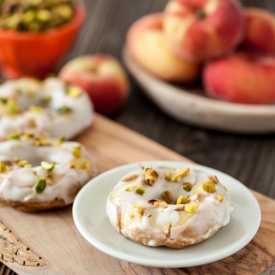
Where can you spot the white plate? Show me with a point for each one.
(192, 106)
(92, 222)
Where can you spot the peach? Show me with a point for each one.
(199, 30)
(243, 77)
(102, 77)
(148, 47)
(259, 31)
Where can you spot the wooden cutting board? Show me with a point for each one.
(49, 243)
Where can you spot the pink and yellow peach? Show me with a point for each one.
(199, 30)
(148, 47)
(259, 31)
(102, 77)
(243, 77)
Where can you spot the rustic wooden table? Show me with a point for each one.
(249, 158)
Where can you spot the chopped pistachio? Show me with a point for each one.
(213, 178)
(16, 160)
(12, 107)
(76, 151)
(167, 197)
(167, 176)
(139, 190)
(61, 139)
(2, 167)
(24, 163)
(209, 187)
(160, 203)
(127, 189)
(190, 208)
(221, 197)
(40, 185)
(13, 136)
(47, 166)
(180, 174)
(74, 91)
(71, 165)
(3, 100)
(183, 200)
(64, 110)
(132, 215)
(46, 99)
(36, 109)
(187, 186)
(86, 165)
(150, 176)
(27, 135)
(138, 207)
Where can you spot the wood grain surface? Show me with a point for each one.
(249, 158)
(49, 243)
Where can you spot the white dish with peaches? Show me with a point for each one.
(230, 53)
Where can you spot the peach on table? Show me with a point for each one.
(102, 77)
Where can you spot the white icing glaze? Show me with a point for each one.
(130, 212)
(28, 92)
(17, 183)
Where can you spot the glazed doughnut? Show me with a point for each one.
(38, 173)
(164, 206)
(50, 107)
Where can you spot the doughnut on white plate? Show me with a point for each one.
(190, 105)
(89, 214)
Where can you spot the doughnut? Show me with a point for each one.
(40, 173)
(166, 206)
(50, 107)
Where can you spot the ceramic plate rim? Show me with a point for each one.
(170, 263)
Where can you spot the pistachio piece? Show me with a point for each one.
(76, 151)
(209, 187)
(180, 174)
(167, 176)
(71, 165)
(187, 186)
(86, 165)
(139, 190)
(160, 203)
(16, 160)
(36, 109)
(40, 186)
(47, 166)
(150, 176)
(183, 200)
(61, 139)
(46, 99)
(167, 197)
(24, 163)
(137, 206)
(220, 197)
(2, 167)
(74, 91)
(128, 189)
(64, 110)
(13, 136)
(3, 100)
(12, 107)
(190, 208)
(213, 178)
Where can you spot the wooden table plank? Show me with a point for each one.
(60, 249)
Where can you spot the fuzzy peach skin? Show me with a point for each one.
(259, 31)
(149, 48)
(199, 30)
(102, 77)
(242, 77)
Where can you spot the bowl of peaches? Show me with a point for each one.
(207, 63)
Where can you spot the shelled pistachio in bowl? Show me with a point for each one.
(35, 35)
(35, 15)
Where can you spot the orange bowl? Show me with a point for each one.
(37, 54)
